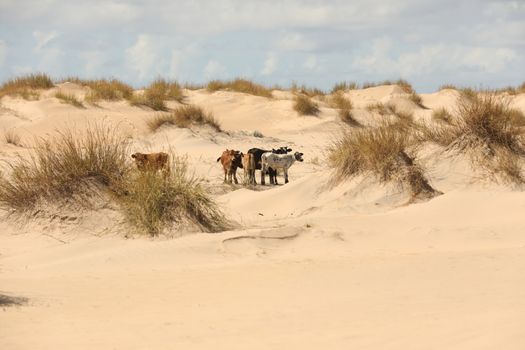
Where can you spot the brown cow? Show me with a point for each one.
(152, 161)
(248, 163)
(230, 160)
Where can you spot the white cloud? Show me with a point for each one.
(141, 57)
(43, 38)
(310, 63)
(295, 42)
(94, 62)
(3, 51)
(432, 59)
(214, 70)
(270, 64)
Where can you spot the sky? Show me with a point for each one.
(475, 43)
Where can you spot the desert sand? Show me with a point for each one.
(310, 266)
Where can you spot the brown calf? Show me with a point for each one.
(248, 163)
(230, 160)
(152, 161)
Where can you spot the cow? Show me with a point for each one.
(278, 161)
(230, 160)
(248, 163)
(152, 161)
(257, 153)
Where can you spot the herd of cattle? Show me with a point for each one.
(267, 161)
(258, 159)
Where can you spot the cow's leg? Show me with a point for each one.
(234, 171)
(263, 170)
(275, 177)
(252, 177)
(285, 175)
(225, 172)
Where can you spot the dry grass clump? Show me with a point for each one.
(442, 115)
(11, 137)
(240, 85)
(305, 90)
(488, 130)
(107, 90)
(154, 202)
(158, 92)
(405, 85)
(448, 86)
(344, 86)
(26, 86)
(305, 106)
(414, 97)
(69, 99)
(184, 117)
(64, 168)
(381, 108)
(344, 106)
(381, 151)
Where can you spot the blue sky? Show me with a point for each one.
(478, 43)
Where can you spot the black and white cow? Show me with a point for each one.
(258, 152)
(277, 162)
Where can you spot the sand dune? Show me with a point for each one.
(311, 264)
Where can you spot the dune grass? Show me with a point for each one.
(381, 108)
(344, 108)
(107, 90)
(154, 202)
(305, 90)
(26, 86)
(344, 86)
(442, 115)
(69, 99)
(305, 106)
(382, 152)
(75, 169)
(184, 117)
(240, 85)
(405, 85)
(488, 130)
(157, 93)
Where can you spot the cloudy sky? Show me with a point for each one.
(479, 43)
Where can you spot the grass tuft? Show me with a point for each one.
(344, 86)
(240, 85)
(382, 152)
(305, 106)
(158, 92)
(69, 99)
(442, 115)
(184, 117)
(26, 86)
(154, 202)
(344, 106)
(107, 90)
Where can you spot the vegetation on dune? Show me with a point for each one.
(305, 106)
(107, 90)
(157, 93)
(442, 115)
(383, 152)
(69, 99)
(305, 90)
(184, 117)
(344, 109)
(26, 86)
(240, 85)
(344, 86)
(153, 202)
(487, 129)
(74, 169)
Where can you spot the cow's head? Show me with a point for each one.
(236, 158)
(298, 156)
(140, 159)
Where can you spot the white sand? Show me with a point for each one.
(350, 267)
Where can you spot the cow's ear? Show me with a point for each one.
(133, 155)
